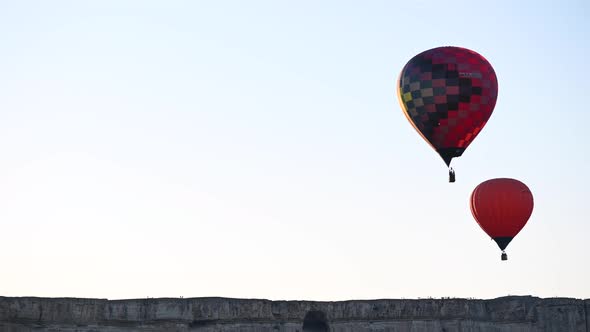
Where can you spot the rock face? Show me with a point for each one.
(513, 313)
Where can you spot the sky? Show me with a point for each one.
(257, 150)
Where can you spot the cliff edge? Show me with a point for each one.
(512, 313)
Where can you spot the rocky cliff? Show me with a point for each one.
(513, 313)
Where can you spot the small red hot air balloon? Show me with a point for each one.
(501, 207)
(448, 94)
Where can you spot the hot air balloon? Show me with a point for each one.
(448, 94)
(501, 207)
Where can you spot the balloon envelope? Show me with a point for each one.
(448, 94)
(501, 207)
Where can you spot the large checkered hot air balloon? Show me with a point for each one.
(501, 207)
(448, 94)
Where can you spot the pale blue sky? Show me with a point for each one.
(257, 149)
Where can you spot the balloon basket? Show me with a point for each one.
(504, 256)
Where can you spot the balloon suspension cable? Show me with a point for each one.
(504, 256)
(451, 175)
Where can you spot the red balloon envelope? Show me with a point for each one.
(502, 207)
(448, 94)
